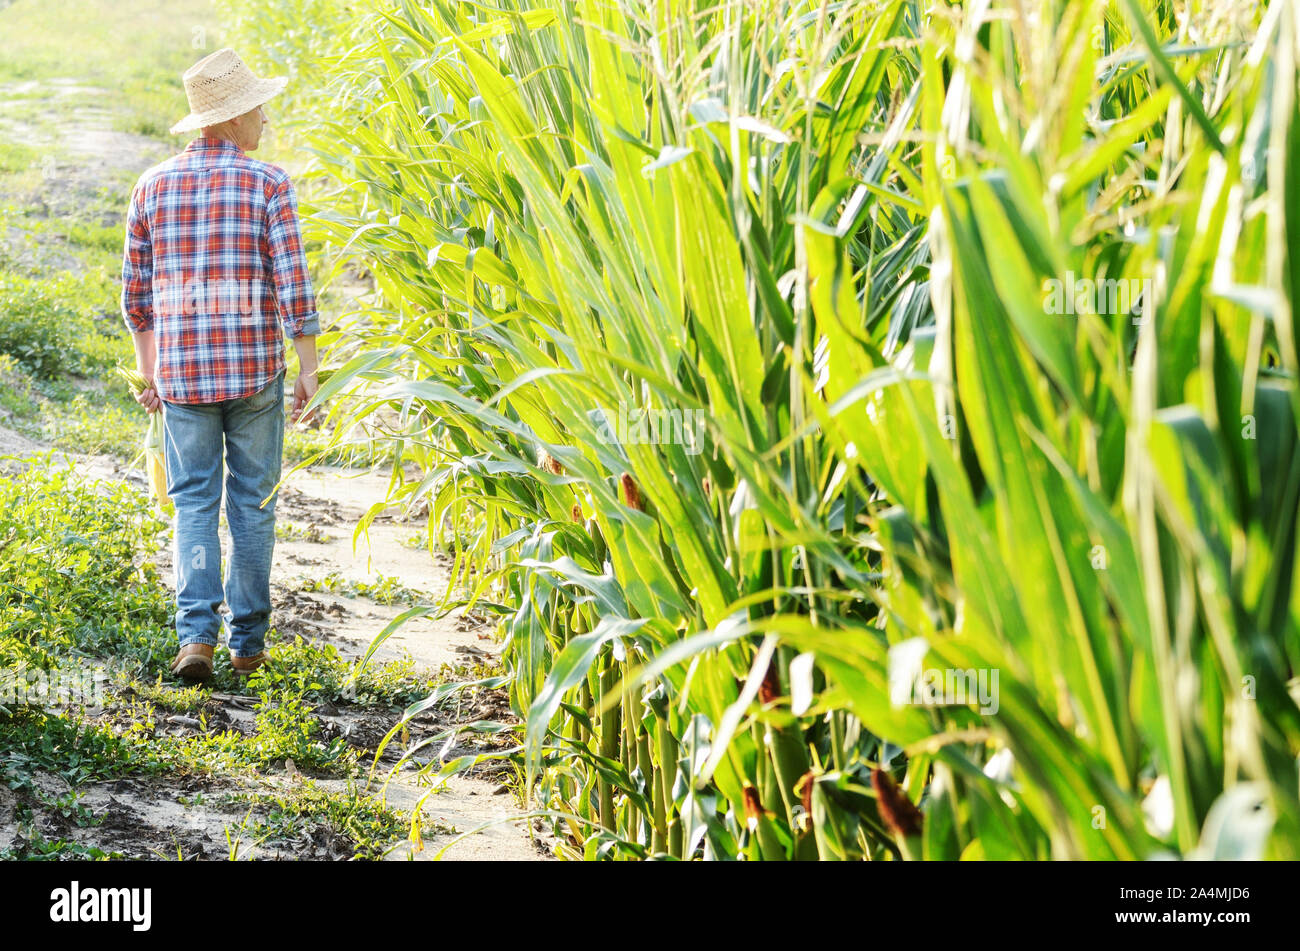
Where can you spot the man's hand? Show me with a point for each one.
(148, 397)
(146, 363)
(304, 388)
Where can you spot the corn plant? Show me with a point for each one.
(762, 359)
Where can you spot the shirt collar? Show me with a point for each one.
(208, 144)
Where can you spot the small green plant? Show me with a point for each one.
(387, 589)
(368, 828)
(16, 157)
(318, 672)
(291, 531)
(167, 696)
(73, 750)
(18, 393)
(69, 807)
(34, 847)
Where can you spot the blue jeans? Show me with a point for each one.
(253, 431)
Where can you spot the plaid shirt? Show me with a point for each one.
(213, 265)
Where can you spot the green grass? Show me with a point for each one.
(62, 323)
(138, 48)
(77, 593)
(57, 412)
(16, 157)
(61, 326)
(132, 51)
(94, 236)
(104, 423)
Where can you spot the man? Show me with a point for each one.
(213, 268)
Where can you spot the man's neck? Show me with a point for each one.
(220, 136)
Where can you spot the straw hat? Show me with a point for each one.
(221, 87)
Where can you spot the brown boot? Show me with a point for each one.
(243, 666)
(193, 662)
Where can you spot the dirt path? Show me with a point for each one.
(70, 126)
(329, 502)
(319, 581)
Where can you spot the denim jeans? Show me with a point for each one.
(253, 432)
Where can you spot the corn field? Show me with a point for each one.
(766, 362)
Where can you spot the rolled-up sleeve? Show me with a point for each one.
(137, 268)
(293, 290)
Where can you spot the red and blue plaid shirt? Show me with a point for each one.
(214, 265)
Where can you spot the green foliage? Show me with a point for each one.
(102, 423)
(292, 531)
(70, 582)
(835, 233)
(16, 157)
(333, 448)
(68, 416)
(286, 728)
(318, 672)
(36, 848)
(76, 752)
(50, 328)
(125, 44)
(79, 594)
(370, 827)
(388, 589)
(19, 390)
(300, 38)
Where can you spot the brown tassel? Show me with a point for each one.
(550, 463)
(804, 790)
(754, 810)
(770, 688)
(895, 808)
(631, 494)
